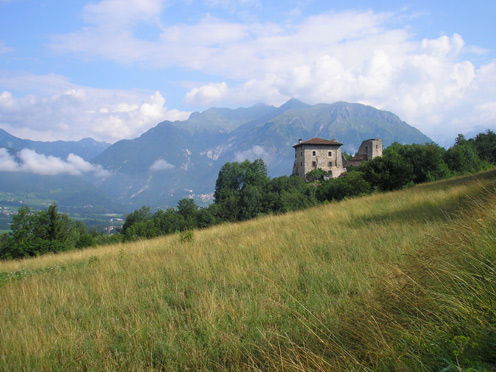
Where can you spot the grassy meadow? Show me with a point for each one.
(397, 281)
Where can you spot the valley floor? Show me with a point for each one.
(397, 281)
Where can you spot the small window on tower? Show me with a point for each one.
(330, 154)
(313, 153)
(329, 164)
(314, 165)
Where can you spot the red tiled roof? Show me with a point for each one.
(318, 141)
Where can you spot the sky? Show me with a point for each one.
(112, 69)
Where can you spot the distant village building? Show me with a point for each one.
(319, 153)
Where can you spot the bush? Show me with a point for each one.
(316, 175)
(186, 236)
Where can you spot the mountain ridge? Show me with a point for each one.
(191, 152)
(86, 148)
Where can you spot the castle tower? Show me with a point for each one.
(318, 153)
(368, 150)
(371, 148)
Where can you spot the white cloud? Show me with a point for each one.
(356, 56)
(207, 94)
(256, 152)
(58, 110)
(160, 165)
(7, 162)
(428, 84)
(32, 162)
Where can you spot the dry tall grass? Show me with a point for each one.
(318, 289)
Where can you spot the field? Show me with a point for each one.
(396, 281)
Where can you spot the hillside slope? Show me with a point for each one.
(397, 281)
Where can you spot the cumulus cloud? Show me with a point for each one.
(57, 109)
(357, 56)
(32, 162)
(428, 84)
(207, 94)
(256, 152)
(160, 165)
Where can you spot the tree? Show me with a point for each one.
(316, 175)
(426, 161)
(485, 143)
(463, 157)
(229, 179)
(189, 210)
(34, 233)
(139, 215)
(168, 221)
(240, 190)
(388, 172)
(349, 185)
(251, 202)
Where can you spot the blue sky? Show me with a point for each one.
(112, 69)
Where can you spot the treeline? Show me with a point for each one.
(38, 232)
(244, 191)
(407, 165)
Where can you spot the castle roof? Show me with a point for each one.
(318, 141)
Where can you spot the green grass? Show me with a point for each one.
(397, 281)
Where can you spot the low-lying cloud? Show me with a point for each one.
(30, 161)
(160, 165)
(256, 152)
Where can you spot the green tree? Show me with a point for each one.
(189, 210)
(485, 143)
(349, 185)
(168, 221)
(140, 215)
(34, 233)
(426, 161)
(240, 190)
(251, 202)
(388, 172)
(316, 175)
(463, 157)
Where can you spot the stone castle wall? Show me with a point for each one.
(310, 157)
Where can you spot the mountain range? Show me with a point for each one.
(87, 148)
(181, 159)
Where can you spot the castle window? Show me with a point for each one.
(314, 164)
(329, 164)
(330, 153)
(313, 153)
(296, 155)
(301, 164)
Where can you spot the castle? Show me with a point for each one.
(319, 153)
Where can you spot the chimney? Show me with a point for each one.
(299, 140)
